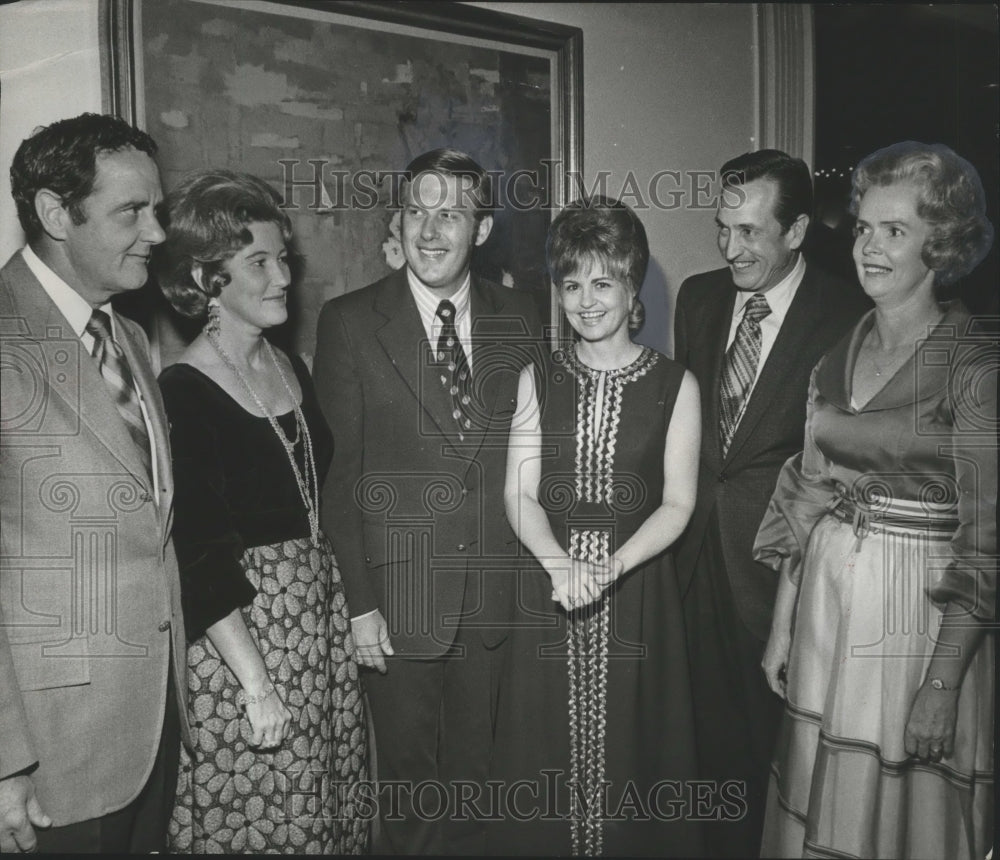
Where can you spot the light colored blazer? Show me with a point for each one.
(90, 610)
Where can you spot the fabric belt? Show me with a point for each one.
(934, 520)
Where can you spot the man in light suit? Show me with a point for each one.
(417, 375)
(751, 333)
(91, 634)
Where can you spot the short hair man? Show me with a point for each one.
(751, 333)
(91, 632)
(417, 375)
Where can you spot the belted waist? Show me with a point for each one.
(936, 520)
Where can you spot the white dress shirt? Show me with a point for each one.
(77, 312)
(779, 299)
(427, 305)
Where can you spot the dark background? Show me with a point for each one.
(886, 73)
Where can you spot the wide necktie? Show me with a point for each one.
(455, 374)
(740, 368)
(115, 370)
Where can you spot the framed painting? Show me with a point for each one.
(329, 102)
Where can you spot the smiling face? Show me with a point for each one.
(439, 230)
(750, 238)
(890, 237)
(108, 252)
(596, 301)
(257, 294)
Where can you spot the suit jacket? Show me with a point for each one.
(415, 513)
(90, 611)
(736, 488)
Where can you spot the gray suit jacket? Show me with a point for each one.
(90, 612)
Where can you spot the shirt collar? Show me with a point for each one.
(71, 304)
(427, 300)
(780, 296)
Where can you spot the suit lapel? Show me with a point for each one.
(149, 389)
(404, 340)
(92, 399)
(490, 351)
(803, 315)
(714, 317)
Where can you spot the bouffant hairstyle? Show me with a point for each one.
(600, 229)
(62, 157)
(795, 190)
(454, 162)
(207, 219)
(950, 200)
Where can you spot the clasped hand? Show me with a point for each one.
(577, 583)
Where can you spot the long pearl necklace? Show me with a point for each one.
(305, 482)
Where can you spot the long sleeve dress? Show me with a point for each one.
(887, 515)
(243, 541)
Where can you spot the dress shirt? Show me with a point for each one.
(779, 299)
(77, 312)
(427, 304)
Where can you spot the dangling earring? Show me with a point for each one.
(212, 324)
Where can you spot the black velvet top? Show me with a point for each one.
(234, 487)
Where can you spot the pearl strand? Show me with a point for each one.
(302, 482)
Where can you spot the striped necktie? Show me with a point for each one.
(740, 368)
(115, 370)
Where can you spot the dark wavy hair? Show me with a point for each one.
(454, 162)
(207, 219)
(795, 190)
(601, 229)
(951, 200)
(62, 157)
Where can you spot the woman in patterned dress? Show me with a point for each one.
(275, 705)
(601, 475)
(884, 531)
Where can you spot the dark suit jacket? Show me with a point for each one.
(413, 512)
(90, 610)
(737, 487)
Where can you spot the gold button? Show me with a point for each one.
(164, 626)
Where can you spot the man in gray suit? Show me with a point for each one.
(91, 634)
(751, 333)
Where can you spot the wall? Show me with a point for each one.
(666, 86)
(49, 69)
(647, 109)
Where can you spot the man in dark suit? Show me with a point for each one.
(417, 375)
(751, 333)
(91, 634)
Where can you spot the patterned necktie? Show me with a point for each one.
(114, 368)
(455, 375)
(740, 368)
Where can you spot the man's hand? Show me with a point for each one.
(19, 810)
(371, 636)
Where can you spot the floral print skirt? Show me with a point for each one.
(305, 797)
